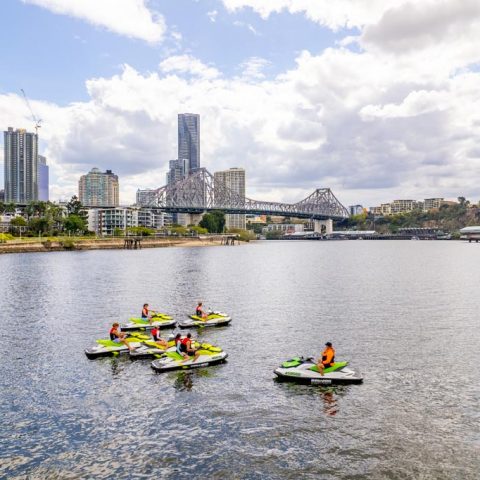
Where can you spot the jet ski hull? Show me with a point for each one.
(99, 351)
(145, 326)
(193, 321)
(304, 374)
(144, 352)
(169, 364)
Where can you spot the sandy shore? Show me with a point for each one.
(101, 244)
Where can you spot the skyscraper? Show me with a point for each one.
(189, 140)
(178, 170)
(98, 189)
(233, 179)
(21, 166)
(42, 178)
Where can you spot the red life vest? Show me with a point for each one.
(154, 332)
(114, 333)
(184, 341)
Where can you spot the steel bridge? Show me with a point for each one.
(199, 192)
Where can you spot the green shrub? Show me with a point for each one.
(243, 235)
(5, 237)
(68, 244)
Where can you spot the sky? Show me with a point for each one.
(376, 99)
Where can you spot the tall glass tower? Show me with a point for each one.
(189, 140)
(21, 166)
(42, 178)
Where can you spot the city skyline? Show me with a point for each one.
(354, 99)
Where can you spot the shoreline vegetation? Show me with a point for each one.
(61, 244)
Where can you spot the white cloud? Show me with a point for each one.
(131, 18)
(248, 26)
(253, 66)
(212, 15)
(333, 14)
(188, 64)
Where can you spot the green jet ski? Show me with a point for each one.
(214, 319)
(304, 370)
(107, 347)
(160, 320)
(151, 349)
(172, 360)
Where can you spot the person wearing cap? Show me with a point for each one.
(327, 359)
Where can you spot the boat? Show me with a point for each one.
(107, 347)
(151, 349)
(214, 319)
(171, 360)
(159, 320)
(304, 370)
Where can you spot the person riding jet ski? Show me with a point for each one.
(327, 359)
(185, 347)
(119, 337)
(155, 332)
(199, 312)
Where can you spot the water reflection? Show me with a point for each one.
(330, 405)
(183, 381)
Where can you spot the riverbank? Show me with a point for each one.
(67, 244)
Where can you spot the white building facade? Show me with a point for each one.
(233, 179)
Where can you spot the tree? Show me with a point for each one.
(75, 207)
(10, 207)
(39, 225)
(143, 231)
(198, 230)
(75, 223)
(18, 222)
(178, 230)
(274, 235)
(214, 222)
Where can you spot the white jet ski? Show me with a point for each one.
(107, 347)
(304, 370)
(214, 319)
(159, 320)
(171, 360)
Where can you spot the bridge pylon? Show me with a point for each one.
(319, 224)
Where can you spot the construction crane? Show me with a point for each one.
(34, 117)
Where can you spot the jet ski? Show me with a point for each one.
(151, 349)
(160, 320)
(171, 360)
(214, 319)
(107, 347)
(304, 370)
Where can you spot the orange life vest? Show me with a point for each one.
(328, 356)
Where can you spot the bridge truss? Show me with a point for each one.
(199, 192)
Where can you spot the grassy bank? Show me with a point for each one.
(55, 244)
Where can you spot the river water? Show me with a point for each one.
(404, 313)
